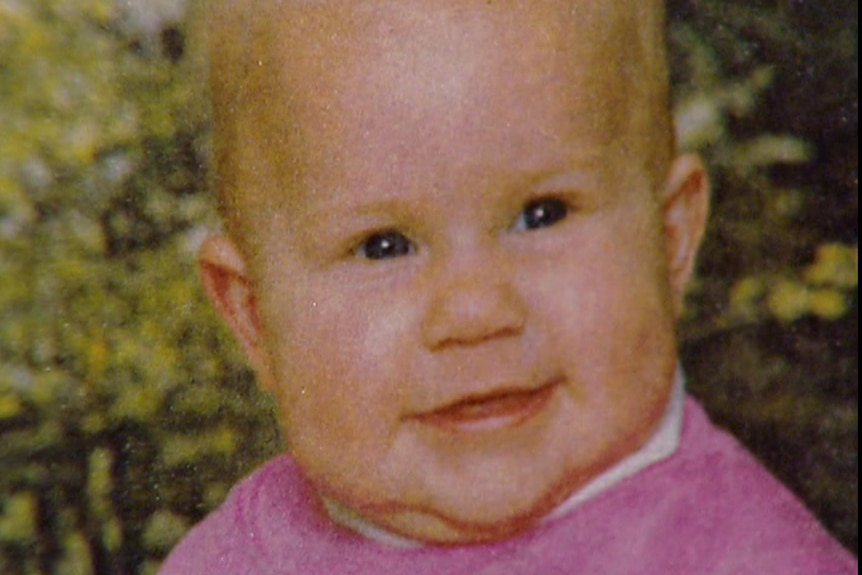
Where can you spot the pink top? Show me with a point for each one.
(711, 509)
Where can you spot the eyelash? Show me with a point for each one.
(391, 243)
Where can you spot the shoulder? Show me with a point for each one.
(743, 516)
(228, 541)
(711, 508)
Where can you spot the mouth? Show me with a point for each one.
(505, 408)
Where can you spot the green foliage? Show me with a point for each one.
(758, 210)
(125, 410)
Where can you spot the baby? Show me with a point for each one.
(458, 237)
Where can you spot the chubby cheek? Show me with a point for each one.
(338, 365)
(615, 318)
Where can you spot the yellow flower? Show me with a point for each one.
(835, 265)
(789, 300)
(829, 304)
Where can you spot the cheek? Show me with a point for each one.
(387, 330)
(608, 304)
(611, 326)
(338, 364)
(612, 267)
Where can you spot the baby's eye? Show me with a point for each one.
(385, 245)
(542, 214)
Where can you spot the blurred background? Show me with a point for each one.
(126, 412)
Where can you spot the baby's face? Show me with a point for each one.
(458, 263)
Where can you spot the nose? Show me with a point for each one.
(473, 300)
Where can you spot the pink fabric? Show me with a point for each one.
(709, 510)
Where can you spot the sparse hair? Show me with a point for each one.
(235, 26)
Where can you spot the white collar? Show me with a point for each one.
(663, 444)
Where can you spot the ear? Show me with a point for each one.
(230, 290)
(685, 207)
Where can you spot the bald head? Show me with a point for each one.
(292, 79)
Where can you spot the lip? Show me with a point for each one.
(502, 408)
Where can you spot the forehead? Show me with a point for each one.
(313, 83)
(393, 46)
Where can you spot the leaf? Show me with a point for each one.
(770, 150)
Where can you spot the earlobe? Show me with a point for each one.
(230, 290)
(685, 207)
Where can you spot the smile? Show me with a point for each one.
(492, 411)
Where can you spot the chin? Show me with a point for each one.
(464, 530)
(466, 520)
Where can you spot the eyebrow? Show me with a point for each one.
(538, 181)
(566, 180)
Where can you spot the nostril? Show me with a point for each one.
(477, 338)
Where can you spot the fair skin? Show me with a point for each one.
(460, 283)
